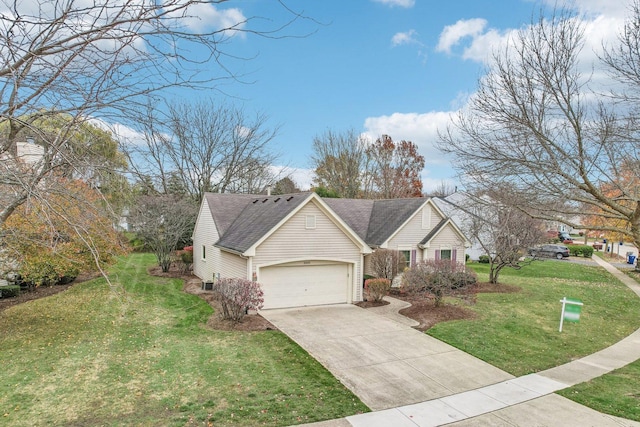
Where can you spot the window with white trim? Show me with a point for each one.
(445, 254)
(204, 252)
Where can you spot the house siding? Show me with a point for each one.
(205, 234)
(232, 265)
(448, 238)
(294, 241)
(410, 235)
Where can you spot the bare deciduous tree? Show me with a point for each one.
(535, 126)
(340, 162)
(99, 58)
(503, 232)
(206, 147)
(163, 222)
(444, 189)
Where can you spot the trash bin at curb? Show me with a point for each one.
(631, 259)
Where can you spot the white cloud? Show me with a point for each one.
(408, 37)
(602, 22)
(122, 133)
(451, 35)
(400, 3)
(616, 8)
(421, 129)
(206, 16)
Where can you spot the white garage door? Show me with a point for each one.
(300, 285)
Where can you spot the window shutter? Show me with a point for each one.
(437, 254)
(413, 258)
(454, 255)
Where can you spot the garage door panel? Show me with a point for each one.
(300, 285)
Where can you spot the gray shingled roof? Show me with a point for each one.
(257, 216)
(356, 213)
(387, 216)
(243, 219)
(435, 231)
(375, 220)
(225, 208)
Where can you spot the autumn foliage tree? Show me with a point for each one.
(351, 166)
(395, 168)
(61, 235)
(624, 187)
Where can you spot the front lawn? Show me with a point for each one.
(95, 356)
(518, 332)
(616, 393)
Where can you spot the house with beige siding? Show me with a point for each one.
(306, 250)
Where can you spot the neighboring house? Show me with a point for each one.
(306, 250)
(452, 206)
(29, 152)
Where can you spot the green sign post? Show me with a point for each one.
(570, 310)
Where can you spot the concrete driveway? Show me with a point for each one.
(383, 362)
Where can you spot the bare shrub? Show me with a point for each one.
(387, 263)
(437, 277)
(377, 289)
(237, 296)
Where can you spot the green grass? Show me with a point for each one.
(518, 332)
(617, 393)
(90, 357)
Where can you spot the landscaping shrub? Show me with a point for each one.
(484, 259)
(48, 271)
(376, 289)
(186, 256)
(462, 279)
(387, 263)
(587, 251)
(581, 250)
(237, 296)
(437, 277)
(9, 291)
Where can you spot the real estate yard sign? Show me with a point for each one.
(570, 310)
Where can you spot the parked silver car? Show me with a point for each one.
(550, 251)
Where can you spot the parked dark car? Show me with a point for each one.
(550, 251)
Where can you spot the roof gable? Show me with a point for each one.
(441, 226)
(258, 216)
(388, 216)
(225, 208)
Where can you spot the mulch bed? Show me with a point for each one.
(424, 311)
(369, 304)
(250, 322)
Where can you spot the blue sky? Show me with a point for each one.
(397, 67)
